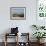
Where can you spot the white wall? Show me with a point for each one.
(24, 25)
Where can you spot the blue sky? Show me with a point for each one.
(17, 10)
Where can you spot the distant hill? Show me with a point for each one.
(18, 15)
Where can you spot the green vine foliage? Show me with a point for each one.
(40, 27)
(39, 35)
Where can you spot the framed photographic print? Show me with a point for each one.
(41, 12)
(41, 8)
(18, 13)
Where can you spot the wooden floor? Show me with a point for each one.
(13, 44)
